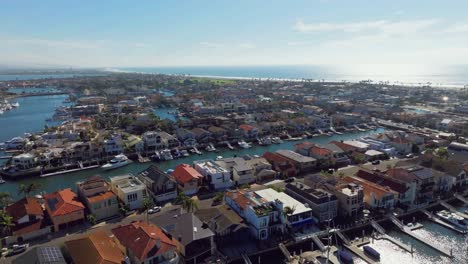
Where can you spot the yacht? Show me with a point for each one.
(184, 153)
(210, 148)
(264, 141)
(276, 140)
(243, 144)
(176, 154)
(15, 104)
(166, 154)
(117, 162)
(453, 219)
(156, 156)
(219, 157)
(2, 180)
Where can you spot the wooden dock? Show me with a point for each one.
(383, 235)
(68, 171)
(437, 220)
(421, 239)
(353, 246)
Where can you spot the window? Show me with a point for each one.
(132, 197)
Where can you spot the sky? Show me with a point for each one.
(144, 33)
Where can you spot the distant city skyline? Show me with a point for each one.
(54, 33)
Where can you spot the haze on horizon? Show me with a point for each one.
(245, 32)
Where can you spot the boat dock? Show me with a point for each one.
(353, 246)
(421, 239)
(437, 220)
(313, 256)
(453, 209)
(383, 235)
(461, 198)
(142, 159)
(68, 171)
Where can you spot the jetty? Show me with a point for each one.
(453, 209)
(142, 159)
(353, 246)
(68, 171)
(461, 198)
(437, 220)
(421, 239)
(383, 235)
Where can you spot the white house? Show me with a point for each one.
(242, 172)
(24, 161)
(152, 140)
(215, 175)
(114, 145)
(130, 190)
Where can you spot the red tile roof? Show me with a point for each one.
(25, 206)
(144, 240)
(247, 127)
(369, 187)
(382, 180)
(184, 173)
(402, 174)
(239, 197)
(99, 248)
(345, 147)
(319, 151)
(63, 202)
(101, 197)
(304, 145)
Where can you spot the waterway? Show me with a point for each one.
(50, 184)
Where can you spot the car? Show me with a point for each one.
(409, 156)
(376, 162)
(17, 249)
(154, 210)
(289, 180)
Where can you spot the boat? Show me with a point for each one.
(2, 180)
(210, 148)
(229, 145)
(345, 257)
(184, 153)
(156, 156)
(219, 157)
(371, 252)
(265, 141)
(195, 150)
(117, 162)
(176, 154)
(466, 211)
(166, 154)
(15, 104)
(1, 111)
(243, 144)
(276, 140)
(453, 218)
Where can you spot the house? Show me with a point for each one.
(187, 178)
(99, 199)
(114, 145)
(281, 164)
(372, 155)
(249, 131)
(357, 145)
(228, 226)
(41, 255)
(24, 161)
(161, 185)
(324, 204)
(242, 173)
(262, 169)
(350, 199)
(339, 157)
(169, 140)
(216, 176)
(147, 243)
(264, 218)
(323, 155)
(301, 215)
(375, 195)
(186, 136)
(64, 209)
(130, 190)
(304, 148)
(152, 141)
(28, 220)
(96, 248)
(303, 163)
(201, 135)
(217, 132)
(196, 238)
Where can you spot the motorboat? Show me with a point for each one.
(156, 156)
(15, 104)
(166, 154)
(276, 140)
(453, 218)
(2, 180)
(345, 257)
(264, 141)
(219, 157)
(371, 252)
(117, 162)
(210, 148)
(244, 144)
(184, 153)
(176, 154)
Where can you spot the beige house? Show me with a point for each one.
(99, 199)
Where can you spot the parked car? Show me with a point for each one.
(291, 179)
(154, 210)
(376, 162)
(17, 249)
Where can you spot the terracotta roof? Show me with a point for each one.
(25, 206)
(369, 187)
(97, 248)
(345, 147)
(402, 174)
(319, 151)
(101, 197)
(144, 240)
(184, 173)
(304, 145)
(247, 127)
(382, 180)
(239, 197)
(62, 202)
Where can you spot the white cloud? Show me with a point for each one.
(210, 44)
(295, 43)
(457, 28)
(247, 45)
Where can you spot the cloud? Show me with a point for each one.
(376, 26)
(295, 43)
(457, 28)
(210, 44)
(247, 45)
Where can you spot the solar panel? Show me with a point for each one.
(50, 254)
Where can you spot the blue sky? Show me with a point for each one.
(241, 32)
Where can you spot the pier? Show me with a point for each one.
(69, 171)
(461, 198)
(410, 233)
(353, 246)
(437, 220)
(453, 209)
(383, 235)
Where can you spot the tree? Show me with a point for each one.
(28, 189)
(5, 199)
(442, 153)
(147, 204)
(180, 198)
(219, 197)
(6, 222)
(288, 211)
(188, 204)
(91, 218)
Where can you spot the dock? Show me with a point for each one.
(313, 256)
(453, 209)
(461, 198)
(385, 236)
(437, 220)
(5, 157)
(142, 159)
(68, 171)
(421, 239)
(353, 246)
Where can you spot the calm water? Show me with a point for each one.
(455, 75)
(32, 90)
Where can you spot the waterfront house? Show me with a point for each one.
(152, 141)
(324, 204)
(242, 173)
(186, 136)
(187, 178)
(323, 155)
(301, 162)
(95, 193)
(64, 209)
(282, 165)
(169, 140)
(339, 157)
(217, 177)
(249, 131)
(264, 218)
(130, 190)
(350, 199)
(196, 238)
(113, 145)
(201, 135)
(301, 215)
(28, 217)
(218, 132)
(160, 184)
(24, 161)
(375, 195)
(357, 145)
(146, 243)
(41, 255)
(86, 110)
(262, 169)
(95, 248)
(304, 148)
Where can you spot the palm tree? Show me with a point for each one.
(288, 211)
(219, 197)
(6, 222)
(5, 199)
(180, 198)
(91, 218)
(28, 189)
(190, 205)
(147, 204)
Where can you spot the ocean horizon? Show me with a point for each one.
(455, 76)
